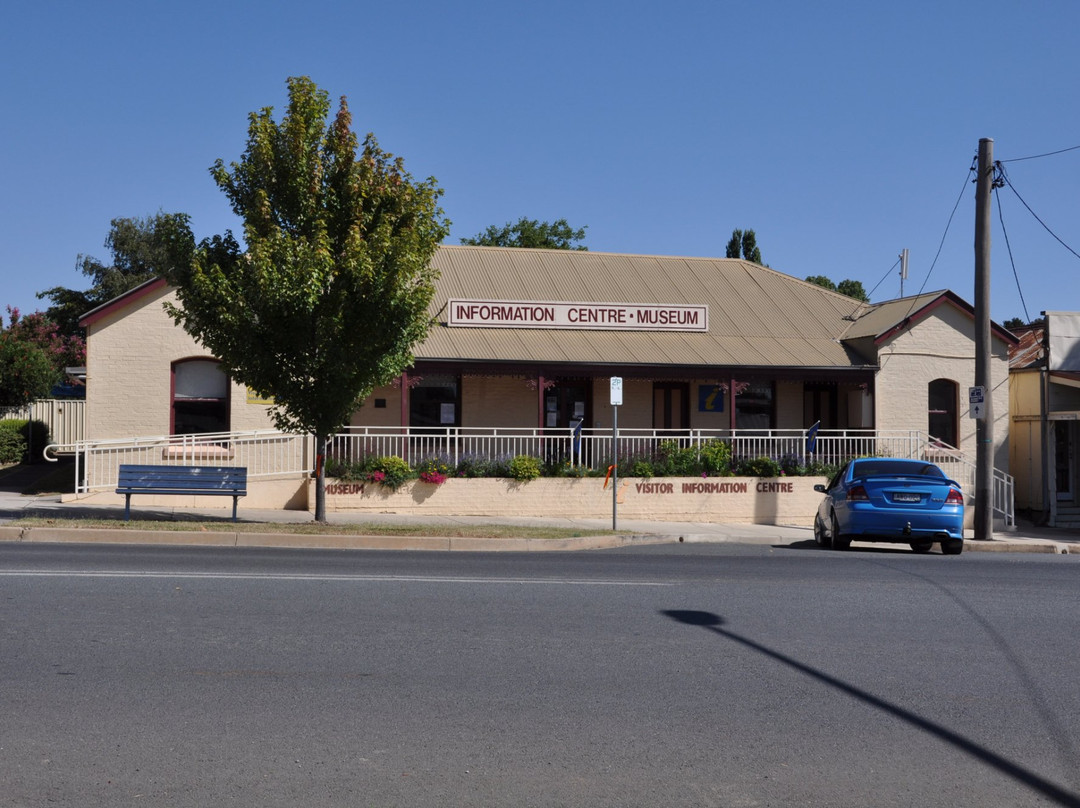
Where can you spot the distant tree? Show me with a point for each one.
(846, 287)
(821, 280)
(853, 289)
(332, 291)
(557, 235)
(743, 244)
(1014, 323)
(142, 249)
(27, 372)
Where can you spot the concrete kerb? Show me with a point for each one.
(748, 534)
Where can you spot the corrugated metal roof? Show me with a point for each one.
(875, 320)
(758, 317)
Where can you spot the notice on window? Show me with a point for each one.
(446, 413)
(255, 398)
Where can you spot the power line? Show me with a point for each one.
(963, 189)
(947, 226)
(887, 274)
(1008, 182)
(1001, 218)
(870, 294)
(1038, 156)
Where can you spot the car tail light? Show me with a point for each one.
(954, 498)
(857, 494)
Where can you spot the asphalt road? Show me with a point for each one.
(678, 675)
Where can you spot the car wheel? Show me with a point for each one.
(922, 546)
(952, 546)
(820, 536)
(839, 542)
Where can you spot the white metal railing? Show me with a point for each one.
(268, 453)
(265, 453)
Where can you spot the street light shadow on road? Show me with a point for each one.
(715, 623)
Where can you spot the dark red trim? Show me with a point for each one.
(172, 391)
(945, 297)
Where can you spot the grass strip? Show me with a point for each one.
(317, 529)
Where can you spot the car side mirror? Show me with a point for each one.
(819, 488)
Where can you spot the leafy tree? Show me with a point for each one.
(853, 289)
(331, 293)
(37, 329)
(27, 373)
(141, 249)
(845, 287)
(821, 280)
(557, 235)
(743, 244)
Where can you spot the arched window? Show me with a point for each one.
(200, 397)
(943, 401)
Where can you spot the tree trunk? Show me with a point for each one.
(320, 478)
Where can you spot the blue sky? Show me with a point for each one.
(841, 132)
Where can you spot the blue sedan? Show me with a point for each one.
(891, 500)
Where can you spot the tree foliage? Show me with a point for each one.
(142, 249)
(27, 371)
(743, 244)
(331, 291)
(36, 328)
(822, 281)
(557, 235)
(851, 288)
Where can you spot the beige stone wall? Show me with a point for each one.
(289, 495)
(370, 415)
(129, 373)
(789, 405)
(503, 401)
(789, 501)
(941, 346)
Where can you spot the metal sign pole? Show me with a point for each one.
(615, 471)
(616, 400)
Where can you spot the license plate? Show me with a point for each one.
(906, 497)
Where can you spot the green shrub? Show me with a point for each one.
(12, 443)
(675, 461)
(716, 458)
(482, 466)
(392, 472)
(641, 468)
(758, 467)
(524, 468)
(815, 468)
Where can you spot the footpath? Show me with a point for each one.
(438, 533)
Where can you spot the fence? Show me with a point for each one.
(65, 418)
(269, 454)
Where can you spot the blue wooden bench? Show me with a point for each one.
(221, 481)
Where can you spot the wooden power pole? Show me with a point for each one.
(984, 426)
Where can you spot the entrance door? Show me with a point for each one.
(671, 405)
(1064, 449)
(566, 404)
